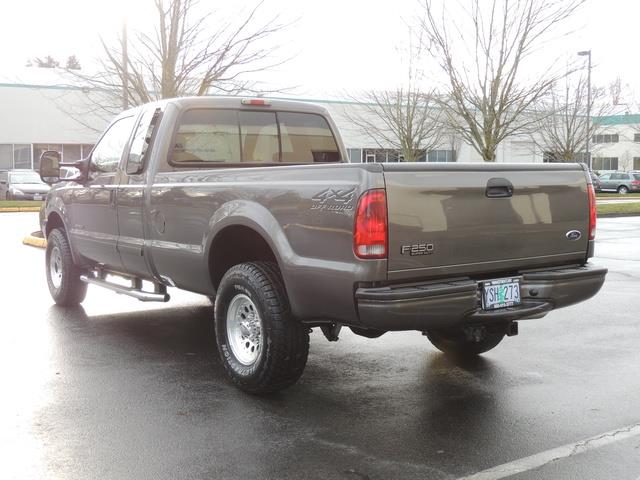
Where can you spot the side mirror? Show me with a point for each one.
(50, 166)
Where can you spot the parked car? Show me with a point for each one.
(595, 180)
(22, 185)
(253, 203)
(621, 182)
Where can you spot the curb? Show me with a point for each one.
(19, 209)
(35, 240)
(613, 215)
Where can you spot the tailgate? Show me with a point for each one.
(466, 219)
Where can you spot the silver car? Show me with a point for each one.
(22, 185)
(621, 182)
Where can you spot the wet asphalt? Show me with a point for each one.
(117, 389)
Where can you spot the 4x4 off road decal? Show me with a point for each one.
(334, 200)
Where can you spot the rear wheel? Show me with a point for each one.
(456, 343)
(263, 348)
(623, 190)
(63, 276)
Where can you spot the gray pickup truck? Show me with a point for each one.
(252, 203)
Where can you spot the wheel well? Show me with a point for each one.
(54, 221)
(234, 245)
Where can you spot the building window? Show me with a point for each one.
(22, 156)
(605, 163)
(86, 150)
(552, 157)
(441, 156)
(6, 157)
(355, 155)
(636, 137)
(636, 163)
(606, 138)
(71, 153)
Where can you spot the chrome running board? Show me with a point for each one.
(160, 294)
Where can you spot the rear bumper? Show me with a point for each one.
(456, 303)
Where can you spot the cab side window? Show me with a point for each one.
(208, 136)
(107, 153)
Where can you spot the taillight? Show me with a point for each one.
(635, 182)
(592, 212)
(370, 231)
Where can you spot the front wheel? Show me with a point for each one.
(456, 343)
(63, 277)
(263, 348)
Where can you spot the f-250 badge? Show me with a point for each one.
(334, 200)
(417, 249)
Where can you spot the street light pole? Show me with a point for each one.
(588, 54)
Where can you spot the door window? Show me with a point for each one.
(108, 152)
(139, 141)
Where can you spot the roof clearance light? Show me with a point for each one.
(256, 102)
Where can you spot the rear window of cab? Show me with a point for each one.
(222, 137)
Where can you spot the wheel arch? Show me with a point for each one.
(242, 231)
(236, 244)
(55, 220)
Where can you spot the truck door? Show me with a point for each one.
(130, 196)
(93, 214)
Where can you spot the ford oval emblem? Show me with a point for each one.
(573, 235)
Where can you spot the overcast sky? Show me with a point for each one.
(339, 45)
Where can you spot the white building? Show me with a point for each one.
(48, 114)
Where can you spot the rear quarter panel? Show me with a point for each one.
(305, 213)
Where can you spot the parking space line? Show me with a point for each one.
(540, 459)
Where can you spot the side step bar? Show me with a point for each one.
(159, 295)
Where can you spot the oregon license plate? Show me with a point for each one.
(500, 293)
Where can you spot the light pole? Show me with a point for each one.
(588, 54)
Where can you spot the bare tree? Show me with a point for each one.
(406, 119)
(46, 62)
(73, 63)
(481, 51)
(562, 127)
(188, 54)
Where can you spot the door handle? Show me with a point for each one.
(112, 198)
(499, 188)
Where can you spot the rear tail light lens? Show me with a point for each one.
(592, 212)
(635, 182)
(370, 236)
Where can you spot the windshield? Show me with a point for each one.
(26, 177)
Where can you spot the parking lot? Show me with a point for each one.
(122, 389)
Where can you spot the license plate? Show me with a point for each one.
(500, 293)
(37, 197)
